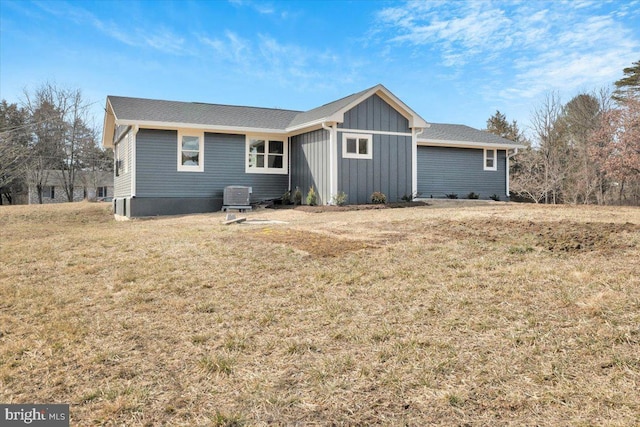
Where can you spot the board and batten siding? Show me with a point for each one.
(310, 164)
(449, 170)
(224, 164)
(122, 182)
(375, 114)
(389, 171)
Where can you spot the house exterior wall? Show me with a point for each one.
(310, 165)
(450, 170)
(163, 190)
(375, 114)
(122, 180)
(389, 169)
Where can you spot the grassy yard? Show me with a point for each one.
(456, 314)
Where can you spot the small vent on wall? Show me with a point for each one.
(236, 197)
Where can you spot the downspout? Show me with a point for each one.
(333, 161)
(515, 151)
(135, 130)
(414, 162)
(289, 161)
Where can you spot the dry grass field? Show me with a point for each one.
(453, 314)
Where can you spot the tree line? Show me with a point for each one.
(584, 151)
(50, 130)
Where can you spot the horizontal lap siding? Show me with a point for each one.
(122, 182)
(224, 164)
(447, 170)
(310, 164)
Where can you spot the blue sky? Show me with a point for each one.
(452, 62)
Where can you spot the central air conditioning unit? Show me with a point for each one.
(236, 197)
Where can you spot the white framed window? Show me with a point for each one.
(490, 159)
(356, 146)
(266, 155)
(190, 151)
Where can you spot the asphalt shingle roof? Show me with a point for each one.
(325, 110)
(153, 110)
(460, 133)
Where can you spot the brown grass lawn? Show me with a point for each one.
(456, 314)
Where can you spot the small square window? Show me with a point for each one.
(357, 146)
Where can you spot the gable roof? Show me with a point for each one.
(461, 135)
(125, 111)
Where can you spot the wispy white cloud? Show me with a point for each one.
(158, 38)
(543, 45)
(288, 64)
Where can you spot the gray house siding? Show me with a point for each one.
(162, 189)
(122, 181)
(310, 164)
(375, 114)
(389, 171)
(448, 170)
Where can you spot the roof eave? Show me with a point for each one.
(149, 124)
(467, 144)
(109, 125)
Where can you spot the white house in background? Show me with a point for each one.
(89, 185)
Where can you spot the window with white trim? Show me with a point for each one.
(190, 151)
(357, 146)
(490, 159)
(266, 155)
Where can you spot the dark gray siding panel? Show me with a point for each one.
(446, 170)
(375, 114)
(389, 171)
(310, 164)
(224, 164)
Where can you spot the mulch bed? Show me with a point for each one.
(331, 208)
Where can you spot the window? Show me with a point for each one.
(190, 151)
(356, 146)
(122, 154)
(49, 191)
(490, 161)
(101, 192)
(265, 155)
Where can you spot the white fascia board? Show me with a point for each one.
(466, 144)
(108, 126)
(415, 121)
(207, 128)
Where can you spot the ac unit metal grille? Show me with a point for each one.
(236, 197)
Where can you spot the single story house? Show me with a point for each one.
(88, 185)
(177, 157)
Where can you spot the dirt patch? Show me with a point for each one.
(316, 244)
(576, 237)
(562, 236)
